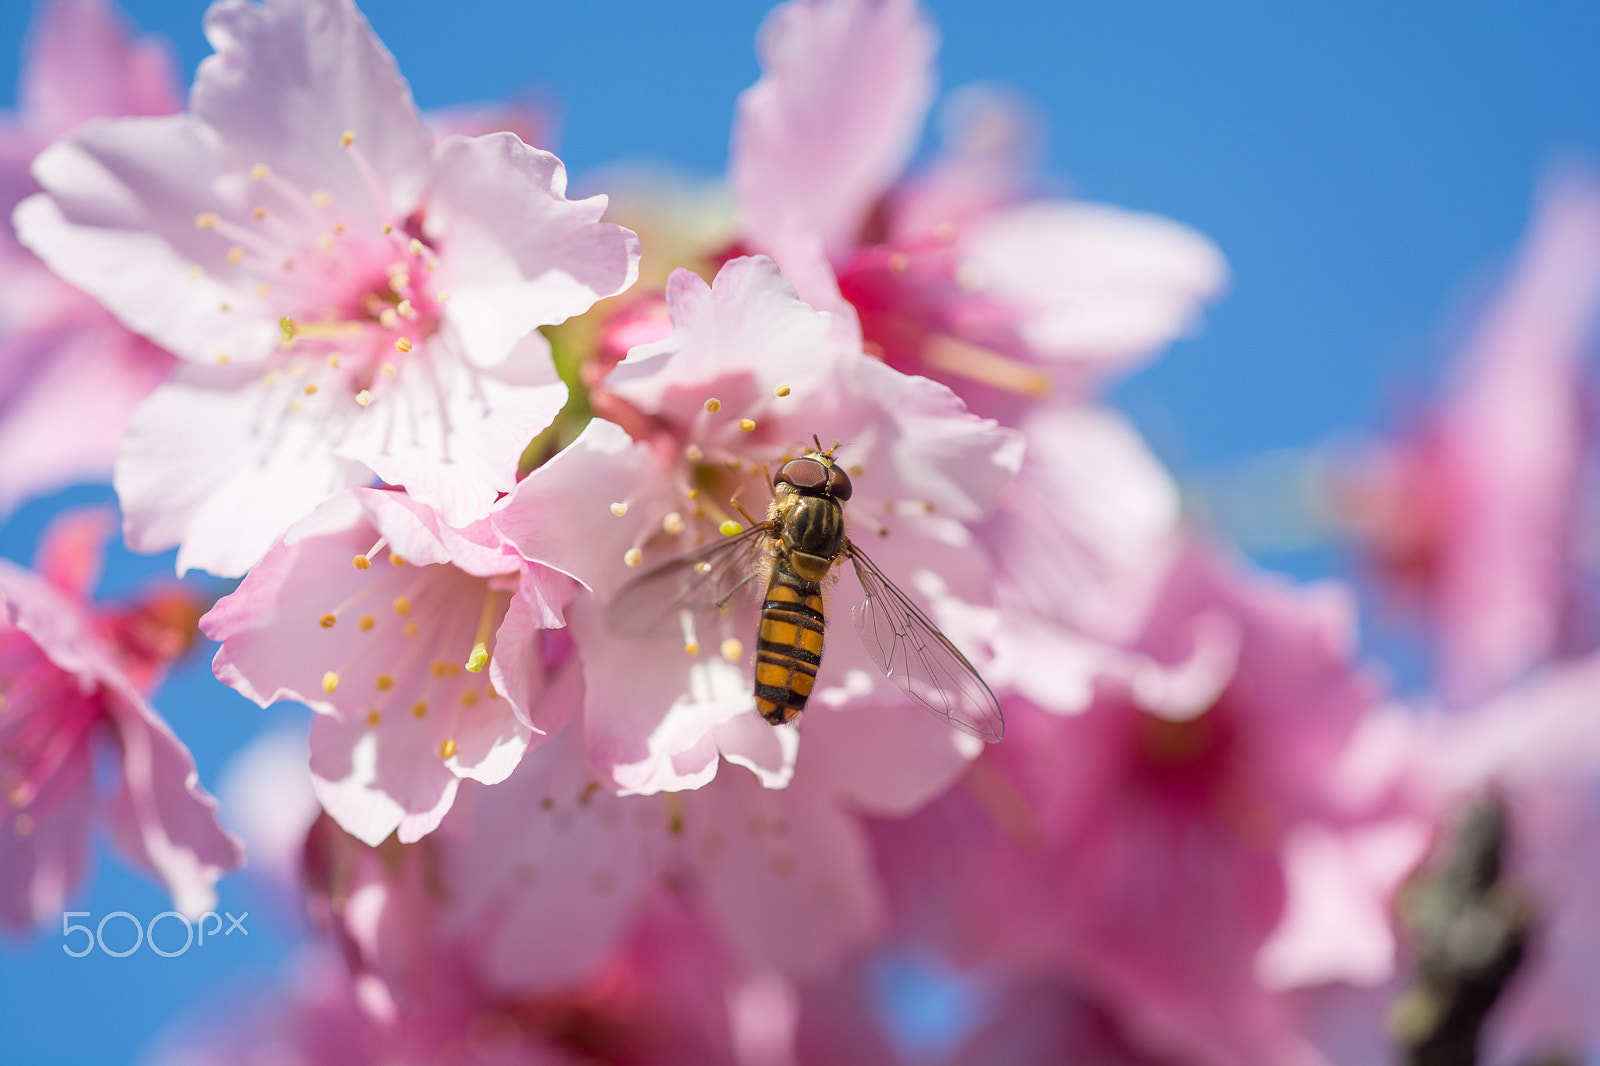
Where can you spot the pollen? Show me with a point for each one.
(730, 528)
(361, 562)
(447, 749)
(402, 345)
(365, 623)
(672, 523)
(692, 647)
(364, 398)
(733, 649)
(633, 557)
(479, 658)
(619, 509)
(347, 138)
(330, 681)
(747, 424)
(327, 621)
(384, 682)
(402, 606)
(781, 390)
(419, 709)
(713, 405)
(205, 220)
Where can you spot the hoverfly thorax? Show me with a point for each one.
(807, 508)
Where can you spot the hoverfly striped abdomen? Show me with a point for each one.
(789, 649)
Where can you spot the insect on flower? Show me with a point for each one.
(790, 554)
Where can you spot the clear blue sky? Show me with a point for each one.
(1365, 166)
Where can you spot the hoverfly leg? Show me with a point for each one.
(733, 502)
(722, 604)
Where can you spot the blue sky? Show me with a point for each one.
(1365, 166)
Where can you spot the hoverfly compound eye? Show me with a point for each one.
(806, 474)
(839, 483)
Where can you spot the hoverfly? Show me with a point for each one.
(790, 554)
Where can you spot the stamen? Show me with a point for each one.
(480, 644)
(402, 345)
(419, 709)
(364, 398)
(396, 560)
(713, 405)
(633, 557)
(747, 424)
(672, 523)
(402, 606)
(347, 138)
(733, 649)
(469, 697)
(447, 749)
(730, 528)
(330, 681)
(781, 390)
(619, 509)
(205, 220)
(384, 682)
(365, 623)
(692, 647)
(374, 716)
(328, 621)
(260, 172)
(984, 366)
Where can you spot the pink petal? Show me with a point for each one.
(82, 63)
(72, 550)
(835, 116)
(515, 252)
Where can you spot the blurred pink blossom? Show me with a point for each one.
(423, 659)
(351, 300)
(1476, 518)
(958, 273)
(72, 681)
(64, 361)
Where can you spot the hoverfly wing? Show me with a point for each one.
(912, 653)
(703, 582)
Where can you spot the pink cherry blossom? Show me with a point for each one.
(422, 660)
(1201, 845)
(350, 300)
(1475, 517)
(958, 273)
(63, 359)
(72, 677)
(748, 375)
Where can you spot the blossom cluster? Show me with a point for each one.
(450, 436)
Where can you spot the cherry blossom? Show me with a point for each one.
(72, 683)
(350, 300)
(958, 273)
(748, 376)
(63, 359)
(1476, 517)
(417, 645)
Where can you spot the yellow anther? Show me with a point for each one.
(419, 709)
(260, 213)
(263, 290)
(713, 405)
(327, 621)
(384, 682)
(205, 220)
(388, 370)
(361, 562)
(311, 390)
(447, 749)
(286, 328)
(330, 681)
(733, 649)
(223, 306)
(365, 623)
(297, 370)
(439, 668)
(405, 310)
(411, 629)
(633, 557)
(402, 606)
(260, 172)
(672, 523)
(692, 647)
(236, 255)
(730, 528)
(364, 398)
(320, 198)
(388, 228)
(693, 453)
(333, 361)
(479, 658)
(469, 697)
(396, 560)
(388, 320)
(747, 424)
(374, 717)
(347, 138)
(222, 358)
(619, 509)
(781, 390)
(415, 246)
